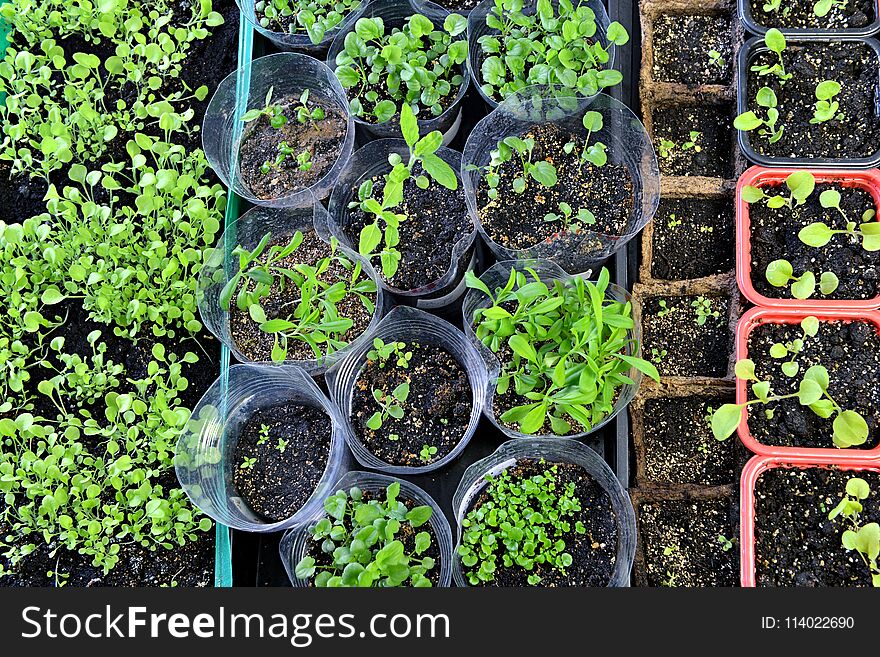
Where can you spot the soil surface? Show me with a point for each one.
(436, 220)
(260, 144)
(594, 553)
(459, 6)
(681, 542)
(679, 445)
(707, 152)
(774, 235)
(795, 543)
(855, 67)
(257, 345)
(853, 15)
(693, 237)
(851, 353)
(516, 221)
(290, 444)
(678, 345)
(682, 44)
(436, 412)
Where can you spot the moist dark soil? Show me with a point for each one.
(679, 445)
(260, 144)
(799, 15)
(711, 154)
(460, 6)
(20, 197)
(291, 445)
(594, 553)
(406, 535)
(436, 220)
(795, 543)
(681, 545)
(691, 349)
(693, 237)
(851, 353)
(436, 412)
(774, 235)
(516, 221)
(855, 66)
(681, 49)
(281, 303)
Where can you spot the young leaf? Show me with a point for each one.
(725, 420)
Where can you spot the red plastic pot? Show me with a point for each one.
(757, 316)
(750, 475)
(867, 180)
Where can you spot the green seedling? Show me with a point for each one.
(715, 59)
(748, 121)
(800, 184)
(673, 221)
(390, 406)
(273, 113)
(541, 171)
(818, 233)
(306, 115)
(248, 463)
(775, 42)
(427, 454)
(823, 7)
(726, 543)
(780, 273)
(665, 308)
(572, 221)
(863, 538)
(386, 352)
(314, 17)
(596, 154)
(263, 435)
(809, 329)
(826, 107)
(703, 308)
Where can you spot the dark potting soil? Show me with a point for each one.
(679, 445)
(516, 221)
(774, 235)
(257, 345)
(851, 353)
(260, 143)
(795, 542)
(436, 220)
(406, 535)
(290, 443)
(593, 553)
(675, 341)
(681, 542)
(436, 412)
(853, 65)
(682, 44)
(460, 6)
(693, 237)
(20, 197)
(711, 152)
(853, 14)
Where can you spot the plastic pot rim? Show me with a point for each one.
(300, 41)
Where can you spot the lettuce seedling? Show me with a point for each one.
(428, 452)
(389, 405)
(863, 538)
(800, 184)
(571, 221)
(384, 353)
(748, 121)
(818, 233)
(703, 308)
(780, 273)
(314, 17)
(826, 107)
(273, 113)
(823, 7)
(775, 42)
(596, 154)
(715, 59)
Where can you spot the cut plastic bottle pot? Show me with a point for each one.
(627, 142)
(564, 450)
(288, 75)
(866, 180)
(753, 25)
(300, 40)
(204, 454)
(496, 277)
(294, 545)
(410, 325)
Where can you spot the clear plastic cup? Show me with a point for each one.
(204, 454)
(294, 544)
(394, 14)
(370, 161)
(247, 231)
(477, 28)
(497, 276)
(288, 74)
(300, 40)
(627, 142)
(410, 325)
(473, 482)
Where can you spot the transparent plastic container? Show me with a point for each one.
(299, 41)
(410, 325)
(294, 544)
(247, 231)
(205, 449)
(564, 450)
(394, 14)
(288, 74)
(370, 161)
(627, 142)
(496, 277)
(477, 28)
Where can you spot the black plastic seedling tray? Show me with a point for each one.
(255, 557)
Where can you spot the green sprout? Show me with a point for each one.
(390, 406)
(864, 539)
(273, 113)
(428, 452)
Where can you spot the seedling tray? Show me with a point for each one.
(744, 8)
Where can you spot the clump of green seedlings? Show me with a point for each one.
(657, 355)
(427, 453)
(521, 524)
(314, 318)
(555, 46)
(725, 543)
(390, 405)
(303, 159)
(564, 348)
(667, 146)
(849, 428)
(665, 308)
(273, 113)
(314, 17)
(716, 59)
(363, 541)
(673, 222)
(416, 65)
(863, 538)
(386, 352)
(381, 237)
(703, 308)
